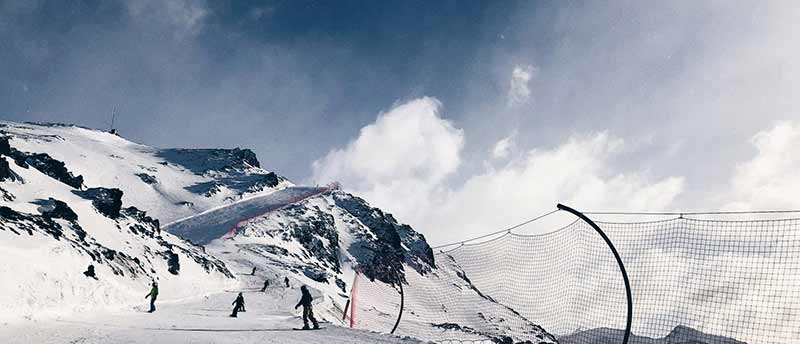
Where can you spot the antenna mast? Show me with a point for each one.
(113, 119)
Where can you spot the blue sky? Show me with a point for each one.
(449, 105)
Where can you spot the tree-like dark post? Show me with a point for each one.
(619, 261)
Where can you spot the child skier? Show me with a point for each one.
(238, 305)
(308, 312)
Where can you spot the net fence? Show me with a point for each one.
(693, 281)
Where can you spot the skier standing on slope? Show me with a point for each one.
(253, 273)
(238, 305)
(286, 280)
(266, 284)
(308, 312)
(153, 294)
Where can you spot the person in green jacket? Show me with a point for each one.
(153, 294)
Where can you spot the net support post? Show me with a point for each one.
(619, 262)
(402, 302)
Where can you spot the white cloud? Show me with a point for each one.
(401, 161)
(502, 149)
(769, 180)
(518, 91)
(576, 173)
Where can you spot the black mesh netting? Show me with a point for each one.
(693, 281)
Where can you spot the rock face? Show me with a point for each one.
(5, 171)
(204, 160)
(395, 244)
(47, 165)
(55, 209)
(5, 146)
(337, 227)
(107, 201)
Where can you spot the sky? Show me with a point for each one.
(460, 117)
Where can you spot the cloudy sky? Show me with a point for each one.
(458, 116)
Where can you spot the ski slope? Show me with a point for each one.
(215, 223)
(268, 319)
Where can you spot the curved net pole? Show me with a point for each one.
(402, 301)
(619, 261)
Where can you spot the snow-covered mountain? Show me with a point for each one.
(73, 196)
(52, 227)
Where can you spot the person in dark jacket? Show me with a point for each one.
(286, 280)
(308, 312)
(266, 284)
(238, 305)
(253, 273)
(153, 294)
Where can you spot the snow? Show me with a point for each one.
(111, 161)
(200, 320)
(46, 299)
(47, 274)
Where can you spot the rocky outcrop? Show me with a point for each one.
(147, 178)
(49, 166)
(6, 174)
(383, 257)
(55, 209)
(201, 161)
(107, 201)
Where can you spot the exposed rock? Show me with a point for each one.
(5, 147)
(6, 174)
(49, 166)
(147, 178)
(173, 262)
(201, 161)
(107, 201)
(342, 285)
(55, 209)
(382, 259)
(6, 196)
(316, 275)
(143, 224)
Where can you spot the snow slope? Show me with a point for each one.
(169, 184)
(322, 241)
(49, 234)
(199, 320)
(245, 217)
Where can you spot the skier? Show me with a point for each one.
(238, 305)
(308, 312)
(286, 280)
(90, 272)
(153, 294)
(253, 273)
(266, 284)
